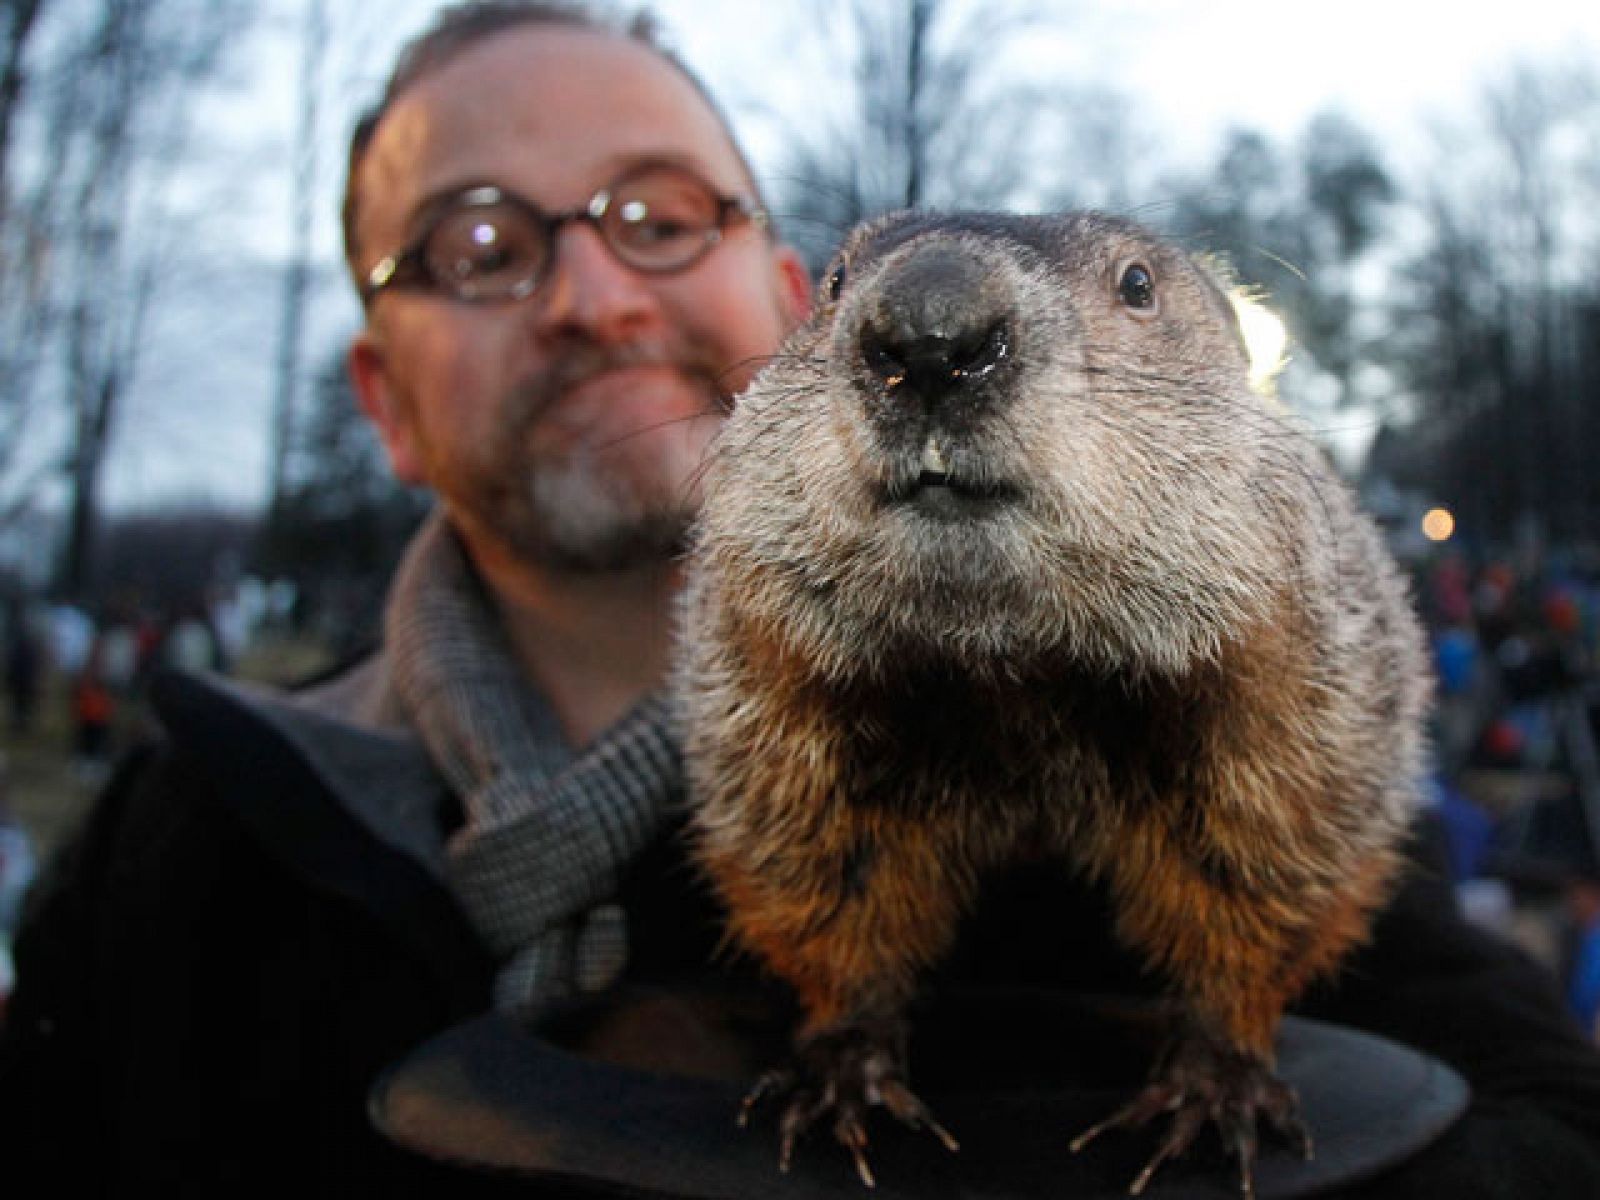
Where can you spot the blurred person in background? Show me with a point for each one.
(93, 710)
(1581, 952)
(191, 644)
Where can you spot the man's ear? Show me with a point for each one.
(369, 376)
(794, 283)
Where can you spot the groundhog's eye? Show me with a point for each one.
(835, 281)
(1137, 288)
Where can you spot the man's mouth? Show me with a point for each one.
(583, 367)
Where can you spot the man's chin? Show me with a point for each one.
(581, 529)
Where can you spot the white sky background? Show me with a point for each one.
(196, 423)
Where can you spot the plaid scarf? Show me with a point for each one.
(547, 832)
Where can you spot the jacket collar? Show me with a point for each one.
(347, 732)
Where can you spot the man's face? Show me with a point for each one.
(565, 429)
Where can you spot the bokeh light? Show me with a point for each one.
(1438, 524)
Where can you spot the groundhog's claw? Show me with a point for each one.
(772, 1081)
(846, 1073)
(1201, 1082)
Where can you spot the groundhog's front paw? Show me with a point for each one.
(1200, 1081)
(844, 1072)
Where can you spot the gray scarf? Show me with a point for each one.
(547, 833)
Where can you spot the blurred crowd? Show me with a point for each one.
(1516, 642)
(74, 683)
(104, 660)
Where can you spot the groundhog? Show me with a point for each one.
(1003, 555)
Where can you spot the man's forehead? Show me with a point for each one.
(553, 113)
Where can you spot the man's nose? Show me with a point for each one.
(590, 291)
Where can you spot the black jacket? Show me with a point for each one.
(245, 933)
(215, 969)
(251, 928)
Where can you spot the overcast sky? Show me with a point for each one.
(196, 424)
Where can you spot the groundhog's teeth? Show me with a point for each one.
(933, 462)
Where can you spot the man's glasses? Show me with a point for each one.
(485, 244)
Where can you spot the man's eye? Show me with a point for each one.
(485, 256)
(660, 229)
(473, 246)
(642, 226)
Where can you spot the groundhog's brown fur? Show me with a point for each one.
(1131, 616)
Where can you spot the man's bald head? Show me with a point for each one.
(462, 26)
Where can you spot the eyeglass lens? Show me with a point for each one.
(656, 220)
(486, 249)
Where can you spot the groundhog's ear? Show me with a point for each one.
(1256, 329)
(1221, 283)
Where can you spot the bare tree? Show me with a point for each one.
(297, 272)
(106, 138)
(342, 52)
(1528, 112)
(23, 249)
(1503, 307)
(1347, 197)
(343, 519)
(1104, 155)
(924, 123)
(21, 17)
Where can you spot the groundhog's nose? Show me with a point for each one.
(936, 328)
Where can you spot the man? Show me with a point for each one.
(556, 380)
(566, 271)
